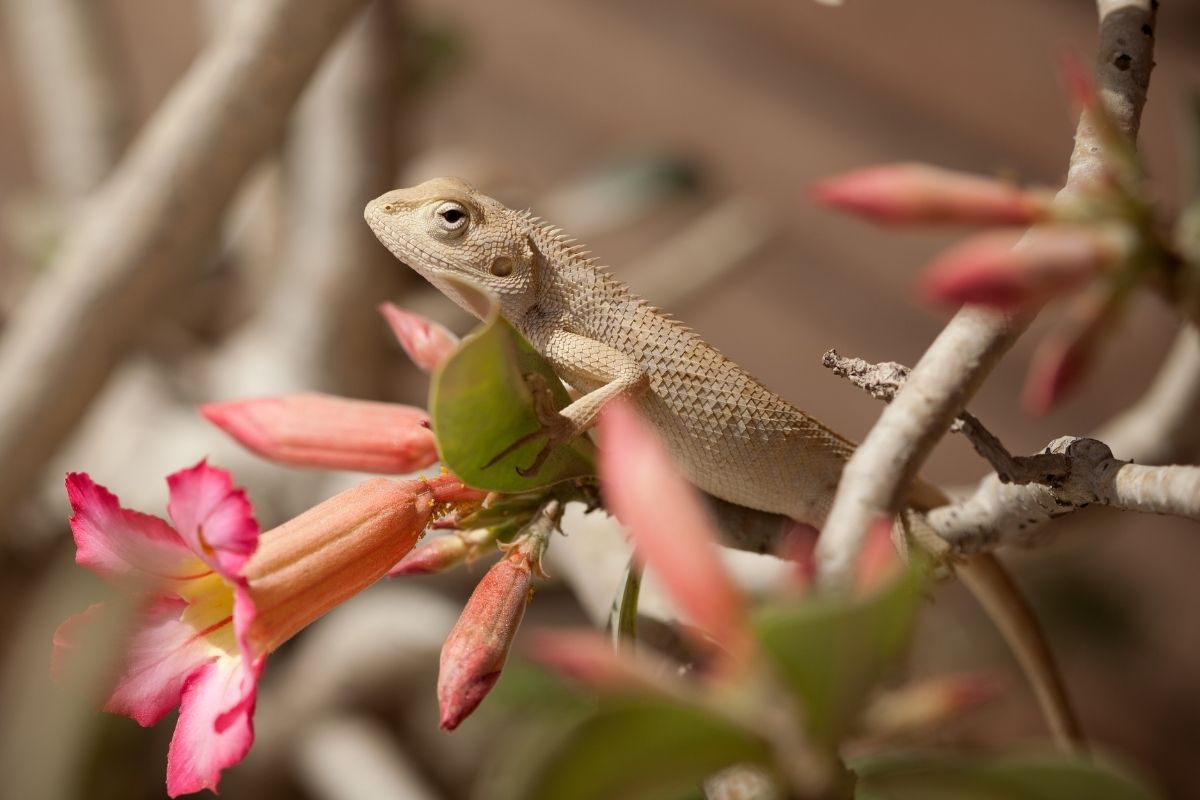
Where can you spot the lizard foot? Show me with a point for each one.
(554, 427)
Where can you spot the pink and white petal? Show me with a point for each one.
(67, 639)
(244, 614)
(213, 516)
(215, 728)
(160, 655)
(117, 543)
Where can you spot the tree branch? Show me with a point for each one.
(956, 364)
(152, 223)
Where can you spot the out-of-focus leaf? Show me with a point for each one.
(832, 650)
(480, 403)
(638, 750)
(992, 778)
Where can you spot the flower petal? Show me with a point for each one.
(159, 657)
(672, 533)
(115, 542)
(317, 430)
(216, 726)
(213, 517)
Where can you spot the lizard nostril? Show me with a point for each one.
(389, 208)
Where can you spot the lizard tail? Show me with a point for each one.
(992, 586)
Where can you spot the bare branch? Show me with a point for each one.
(999, 512)
(77, 115)
(958, 361)
(151, 224)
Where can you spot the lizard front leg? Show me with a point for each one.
(582, 362)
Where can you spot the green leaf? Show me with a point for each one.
(832, 651)
(638, 750)
(992, 778)
(480, 403)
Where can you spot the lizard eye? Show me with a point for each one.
(451, 217)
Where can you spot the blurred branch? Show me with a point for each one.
(346, 757)
(77, 115)
(150, 226)
(964, 353)
(315, 331)
(1160, 428)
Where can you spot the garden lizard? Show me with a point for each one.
(731, 436)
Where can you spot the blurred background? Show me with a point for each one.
(678, 138)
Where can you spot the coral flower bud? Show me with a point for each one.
(916, 193)
(319, 430)
(993, 269)
(313, 562)
(426, 342)
(477, 647)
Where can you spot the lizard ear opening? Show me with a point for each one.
(502, 267)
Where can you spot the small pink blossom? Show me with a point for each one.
(671, 532)
(427, 343)
(318, 430)
(215, 597)
(917, 193)
(993, 269)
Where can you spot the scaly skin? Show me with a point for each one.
(732, 437)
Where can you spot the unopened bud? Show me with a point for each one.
(921, 193)
(436, 555)
(995, 270)
(427, 343)
(317, 430)
(478, 645)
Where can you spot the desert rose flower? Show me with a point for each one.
(215, 596)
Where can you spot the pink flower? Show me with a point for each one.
(318, 430)
(915, 193)
(215, 597)
(426, 342)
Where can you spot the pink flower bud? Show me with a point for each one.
(478, 645)
(426, 342)
(1058, 366)
(993, 269)
(436, 555)
(916, 193)
(670, 529)
(878, 562)
(318, 430)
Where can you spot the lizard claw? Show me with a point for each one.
(556, 428)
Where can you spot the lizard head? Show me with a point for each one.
(444, 228)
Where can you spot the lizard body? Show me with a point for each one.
(731, 436)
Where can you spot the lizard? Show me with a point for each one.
(731, 437)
